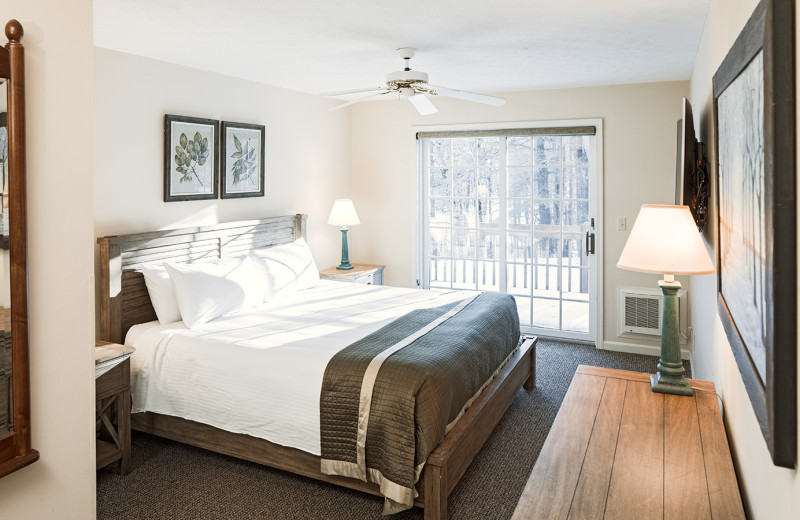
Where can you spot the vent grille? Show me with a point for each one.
(642, 312)
(639, 312)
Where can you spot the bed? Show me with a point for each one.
(125, 304)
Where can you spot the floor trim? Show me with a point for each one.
(635, 348)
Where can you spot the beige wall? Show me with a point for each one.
(769, 492)
(58, 48)
(639, 125)
(307, 148)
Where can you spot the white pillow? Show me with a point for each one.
(162, 296)
(286, 268)
(208, 291)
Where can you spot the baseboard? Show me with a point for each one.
(634, 348)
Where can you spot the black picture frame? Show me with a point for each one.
(234, 157)
(768, 39)
(189, 175)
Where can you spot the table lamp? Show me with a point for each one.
(665, 240)
(343, 214)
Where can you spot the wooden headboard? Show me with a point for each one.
(124, 301)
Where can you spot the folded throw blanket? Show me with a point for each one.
(387, 399)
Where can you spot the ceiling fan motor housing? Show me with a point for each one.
(403, 78)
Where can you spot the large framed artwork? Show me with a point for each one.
(242, 160)
(191, 168)
(755, 162)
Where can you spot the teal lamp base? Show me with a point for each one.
(345, 265)
(663, 385)
(670, 377)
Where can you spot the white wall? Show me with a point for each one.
(768, 491)
(307, 148)
(639, 125)
(58, 48)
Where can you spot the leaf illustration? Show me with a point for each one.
(183, 141)
(236, 155)
(237, 143)
(178, 161)
(190, 147)
(202, 161)
(198, 137)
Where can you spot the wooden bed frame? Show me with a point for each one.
(124, 302)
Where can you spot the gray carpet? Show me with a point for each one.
(174, 481)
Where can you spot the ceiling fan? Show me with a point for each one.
(413, 85)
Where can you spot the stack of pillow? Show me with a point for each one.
(198, 293)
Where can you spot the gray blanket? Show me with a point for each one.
(387, 399)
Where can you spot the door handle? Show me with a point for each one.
(589, 243)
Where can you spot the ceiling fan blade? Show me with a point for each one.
(353, 91)
(422, 104)
(467, 96)
(337, 107)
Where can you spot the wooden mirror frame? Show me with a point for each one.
(15, 447)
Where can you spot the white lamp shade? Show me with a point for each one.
(343, 213)
(665, 240)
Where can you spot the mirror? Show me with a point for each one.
(15, 434)
(6, 406)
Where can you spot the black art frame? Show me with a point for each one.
(174, 149)
(235, 157)
(770, 29)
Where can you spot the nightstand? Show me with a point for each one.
(369, 274)
(112, 369)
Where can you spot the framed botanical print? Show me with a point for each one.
(242, 150)
(191, 168)
(757, 266)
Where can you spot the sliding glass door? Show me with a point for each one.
(512, 211)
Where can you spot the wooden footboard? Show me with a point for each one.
(446, 464)
(451, 458)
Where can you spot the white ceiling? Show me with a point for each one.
(477, 45)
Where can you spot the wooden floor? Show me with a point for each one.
(618, 450)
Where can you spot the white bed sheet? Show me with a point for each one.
(259, 372)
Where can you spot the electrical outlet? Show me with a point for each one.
(622, 225)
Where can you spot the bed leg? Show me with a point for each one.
(435, 493)
(530, 383)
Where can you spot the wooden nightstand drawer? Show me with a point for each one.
(367, 274)
(114, 381)
(370, 279)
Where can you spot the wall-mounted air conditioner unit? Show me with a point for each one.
(639, 312)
